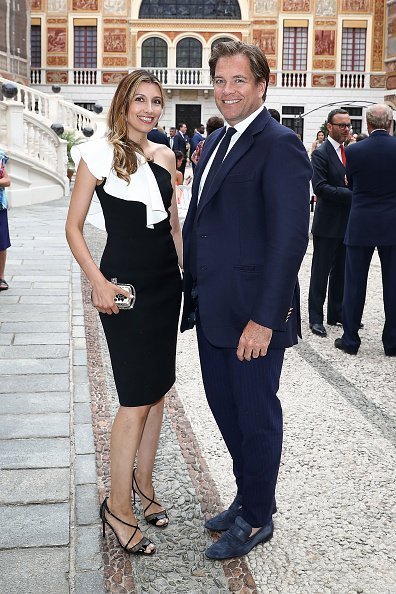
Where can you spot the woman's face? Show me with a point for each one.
(321, 136)
(145, 108)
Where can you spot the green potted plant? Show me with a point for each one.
(72, 137)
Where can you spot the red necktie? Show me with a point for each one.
(343, 156)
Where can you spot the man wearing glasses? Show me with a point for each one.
(329, 224)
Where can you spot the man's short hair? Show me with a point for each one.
(379, 116)
(180, 125)
(213, 124)
(258, 61)
(334, 112)
(275, 114)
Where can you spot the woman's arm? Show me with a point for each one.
(174, 215)
(5, 181)
(103, 292)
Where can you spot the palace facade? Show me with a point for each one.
(320, 52)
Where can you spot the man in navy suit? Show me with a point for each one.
(180, 143)
(158, 137)
(329, 224)
(245, 236)
(370, 170)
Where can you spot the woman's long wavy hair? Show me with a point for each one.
(125, 160)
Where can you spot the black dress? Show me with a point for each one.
(142, 340)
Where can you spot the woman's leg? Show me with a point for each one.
(126, 434)
(3, 256)
(146, 458)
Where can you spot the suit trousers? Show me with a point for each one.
(243, 398)
(357, 266)
(328, 268)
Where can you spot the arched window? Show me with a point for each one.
(216, 41)
(186, 9)
(154, 53)
(189, 53)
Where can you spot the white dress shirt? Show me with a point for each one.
(337, 147)
(240, 128)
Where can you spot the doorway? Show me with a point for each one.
(189, 114)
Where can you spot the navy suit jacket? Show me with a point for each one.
(159, 137)
(251, 234)
(195, 140)
(371, 169)
(180, 143)
(332, 195)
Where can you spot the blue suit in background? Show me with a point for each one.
(370, 170)
(243, 246)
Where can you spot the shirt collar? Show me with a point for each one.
(336, 145)
(241, 126)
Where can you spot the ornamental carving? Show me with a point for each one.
(112, 78)
(115, 61)
(377, 58)
(377, 81)
(57, 5)
(114, 6)
(324, 64)
(56, 76)
(56, 60)
(323, 80)
(36, 4)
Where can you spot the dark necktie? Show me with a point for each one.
(343, 156)
(218, 159)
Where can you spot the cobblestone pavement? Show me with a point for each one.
(334, 531)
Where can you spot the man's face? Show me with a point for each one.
(201, 129)
(183, 128)
(339, 128)
(237, 94)
(172, 132)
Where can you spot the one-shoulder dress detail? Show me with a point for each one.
(142, 341)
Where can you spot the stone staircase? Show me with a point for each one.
(37, 156)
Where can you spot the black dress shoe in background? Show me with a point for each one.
(318, 329)
(342, 347)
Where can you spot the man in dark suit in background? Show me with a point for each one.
(180, 143)
(245, 236)
(156, 136)
(171, 137)
(329, 224)
(195, 140)
(371, 167)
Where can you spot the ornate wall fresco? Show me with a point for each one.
(56, 40)
(115, 61)
(355, 6)
(57, 6)
(114, 6)
(85, 5)
(377, 55)
(262, 7)
(57, 60)
(377, 81)
(324, 42)
(36, 5)
(326, 8)
(296, 5)
(114, 40)
(266, 40)
(112, 78)
(57, 76)
(325, 64)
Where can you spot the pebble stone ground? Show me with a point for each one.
(334, 531)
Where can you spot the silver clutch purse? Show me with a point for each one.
(120, 300)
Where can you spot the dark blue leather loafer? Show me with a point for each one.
(237, 541)
(226, 519)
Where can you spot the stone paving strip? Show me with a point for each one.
(49, 542)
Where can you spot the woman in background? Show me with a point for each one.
(4, 231)
(320, 138)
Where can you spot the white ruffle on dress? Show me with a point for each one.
(98, 156)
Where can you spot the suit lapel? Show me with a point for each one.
(334, 157)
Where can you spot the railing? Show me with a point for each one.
(42, 145)
(52, 108)
(200, 78)
(294, 79)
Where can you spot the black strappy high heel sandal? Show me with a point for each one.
(150, 518)
(137, 549)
